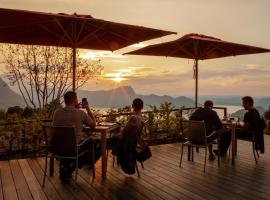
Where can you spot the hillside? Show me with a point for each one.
(9, 97)
(123, 96)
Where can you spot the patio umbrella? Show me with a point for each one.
(74, 31)
(198, 47)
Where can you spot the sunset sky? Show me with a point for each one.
(241, 21)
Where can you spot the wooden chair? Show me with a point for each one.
(61, 143)
(194, 134)
(260, 137)
(140, 133)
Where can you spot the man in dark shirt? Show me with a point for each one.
(212, 123)
(252, 124)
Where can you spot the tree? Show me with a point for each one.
(44, 74)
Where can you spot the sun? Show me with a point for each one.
(117, 77)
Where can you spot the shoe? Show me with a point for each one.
(216, 151)
(63, 173)
(211, 157)
(221, 153)
(71, 169)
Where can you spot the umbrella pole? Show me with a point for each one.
(196, 83)
(74, 69)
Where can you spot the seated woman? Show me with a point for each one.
(126, 148)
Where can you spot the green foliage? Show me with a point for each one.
(15, 110)
(267, 119)
(21, 138)
(267, 114)
(163, 122)
(51, 107)
(3, 115)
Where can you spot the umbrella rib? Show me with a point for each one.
(90, 35)
(81, 29)
(181, 47)
(64, 31)
(209, 49)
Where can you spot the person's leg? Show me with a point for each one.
(63, 170)
(244, 134)
(210, 147)
(225, 140)
(211, 155)
(85, 145)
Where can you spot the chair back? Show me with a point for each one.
(195, 130)
(60, 140)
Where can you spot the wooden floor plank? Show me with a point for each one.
(155, 192)
(33, 184)
(151, 183)
(73, 191)
(49, 190)
(62, 189)
(161, 179)
(9, 189)
(233, 182)
(20, 182)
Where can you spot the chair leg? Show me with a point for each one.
(229, 156)
(218, 152)
(142, 165)
(192, 153)
(93, 159)
(45, 171)
(189, 151)
(76, 170)
(205, 159)
(113, 160)
(254, 154)
(257, 154)
(182, 148)
(137, 169)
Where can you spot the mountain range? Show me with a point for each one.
(123, 96)
(9, 97)
(118, 97)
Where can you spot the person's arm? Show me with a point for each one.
(217, 121)
(246, 123)
(89, 119)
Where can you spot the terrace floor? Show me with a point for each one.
(161, 178)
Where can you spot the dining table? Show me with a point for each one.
(232, 125)
(103, 130)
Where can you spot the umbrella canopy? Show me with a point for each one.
(198, 47)
(74, 31)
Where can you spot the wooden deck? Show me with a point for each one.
(161, 179)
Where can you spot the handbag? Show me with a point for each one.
(143, 153)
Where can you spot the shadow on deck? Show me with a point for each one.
(161, 178)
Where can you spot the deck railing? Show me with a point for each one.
(24, 138)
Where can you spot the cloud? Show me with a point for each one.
(95, 55)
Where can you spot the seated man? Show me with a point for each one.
(126, 146)
(252, 124)
(71, 115)
(212, 123)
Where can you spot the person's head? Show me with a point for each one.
(247, 102)
(208, 104)
(71, 98)
(137, 104)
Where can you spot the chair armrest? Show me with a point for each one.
(213, 133)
